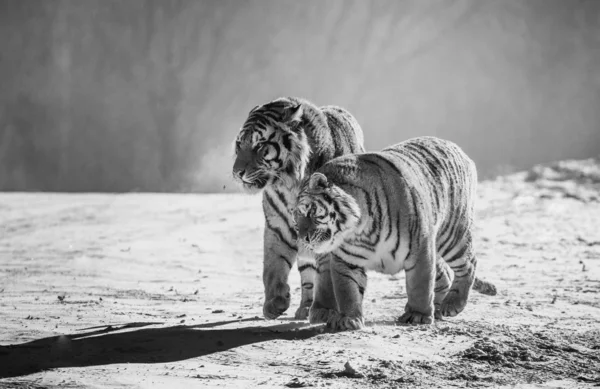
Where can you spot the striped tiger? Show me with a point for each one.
(408, 207)
(279, 144)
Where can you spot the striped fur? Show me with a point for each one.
(408, 207)
(280, 143)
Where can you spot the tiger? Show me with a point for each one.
(408, 207)
(280, 143)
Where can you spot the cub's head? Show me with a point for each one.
(325, 214)
(271, 147)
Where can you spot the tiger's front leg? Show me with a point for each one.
(308, 272)
(280, 253)
(349, 284)
(324, 305)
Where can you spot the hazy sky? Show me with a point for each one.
(148, 95)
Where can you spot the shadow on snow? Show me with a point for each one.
(110, 345)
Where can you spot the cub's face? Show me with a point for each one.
(270, 147)
(325, 215)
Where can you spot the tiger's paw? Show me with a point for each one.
(275, 307)
(302, 313)
(320, 315)
(453, 304)
(411, 316)
(340, 322)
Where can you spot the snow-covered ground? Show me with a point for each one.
(165, 291)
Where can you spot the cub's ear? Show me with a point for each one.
(292, 114)
(317, 181)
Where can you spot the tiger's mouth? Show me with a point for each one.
(254, 183)
(319, 242)
(253, 187)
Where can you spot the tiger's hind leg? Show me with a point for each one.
(420, 282)
(443, 281)
(308, 271)
(463, 262)
(324, 305)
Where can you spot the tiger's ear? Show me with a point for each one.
(292, 114)
(317, 181)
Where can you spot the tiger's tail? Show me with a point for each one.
(484, 287)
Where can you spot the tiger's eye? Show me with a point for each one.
(268, 152)
(301, 209)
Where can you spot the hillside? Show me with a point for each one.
(157, 290)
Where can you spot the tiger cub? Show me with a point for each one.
(279, 144)
(408, 207)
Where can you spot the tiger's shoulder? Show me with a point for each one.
(339, 133)
(343, 125)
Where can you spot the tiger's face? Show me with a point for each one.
(271, 147)
(325, 215)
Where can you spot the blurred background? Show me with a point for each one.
(147, 95)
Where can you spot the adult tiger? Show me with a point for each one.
(408, 207)
(279, 144)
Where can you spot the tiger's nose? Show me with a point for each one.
(239, 173)
(303, 225)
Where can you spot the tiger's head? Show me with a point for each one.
(271, 147)
(325, 214)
